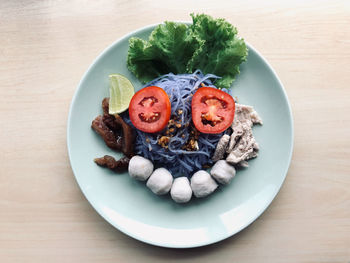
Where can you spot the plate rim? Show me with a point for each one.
(140, 238)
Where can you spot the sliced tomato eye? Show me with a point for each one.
(149, 116)
(150, 109)
(212, 110)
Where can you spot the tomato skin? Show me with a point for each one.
(150, 109)
(212, 110)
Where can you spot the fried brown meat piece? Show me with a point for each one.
(119, 126)
(109, 126)
(109, 120)
(105, 105)
(117, 166)
(111, 140)
(128, 136)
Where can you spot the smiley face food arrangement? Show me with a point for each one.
(182, 133)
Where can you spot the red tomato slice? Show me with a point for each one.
(212, 110)
(150, 109)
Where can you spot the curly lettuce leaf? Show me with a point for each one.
(168, 49)
(141, 60)
(221, 52)
(209, 44)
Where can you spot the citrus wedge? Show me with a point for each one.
(120, 92)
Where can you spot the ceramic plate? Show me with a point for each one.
(133, 209)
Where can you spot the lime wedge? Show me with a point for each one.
(120, 92)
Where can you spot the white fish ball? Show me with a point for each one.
(223, 172)
(160, 181)
(181, 191)
(202, 184)
(140, 168)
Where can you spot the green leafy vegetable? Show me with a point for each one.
(209, 44)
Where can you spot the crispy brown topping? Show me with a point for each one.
(195, 133)
(192, 143)
(171, 121)
(172, 129)
(163, 141)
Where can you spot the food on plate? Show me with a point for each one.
(223, 172)
(246, 117)
(180, 147)
(118, 166)
(120, 91)
(202, 184)
(184, 121)
(246, 148)
(149, 109)
(112, 140)
(140, 168)
(243, 145)
(116, 130)
(212, 110)
(221, 148)
(181, 191)
(209, 44)
(117, 135)
(127, 136)
(160, 181)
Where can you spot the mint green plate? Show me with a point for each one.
(133, 209)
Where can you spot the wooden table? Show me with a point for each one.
(45, 47)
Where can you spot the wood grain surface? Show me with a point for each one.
(45, 47)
